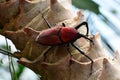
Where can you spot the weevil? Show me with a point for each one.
(60, 35)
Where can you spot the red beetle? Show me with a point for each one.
(59, 35)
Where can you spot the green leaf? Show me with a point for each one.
(20, 70)
(86, 4)
(1, 62)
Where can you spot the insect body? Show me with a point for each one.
(59, 35)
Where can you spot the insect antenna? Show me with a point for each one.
(80, 25)
(81, 35)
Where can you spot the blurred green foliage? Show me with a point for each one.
(15, 73)
(20, 70)
(86, 4)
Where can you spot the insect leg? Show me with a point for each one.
(84, 55)
(63, 24)
(83, 23)
(68, 45)
(43, 54)
(48, 24)
(70, 62)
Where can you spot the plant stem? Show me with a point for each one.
(5, 52)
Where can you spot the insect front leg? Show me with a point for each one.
(70, 62)
(68, 49)
(80, 25)
(63, 24)
(91, 68)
